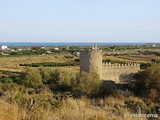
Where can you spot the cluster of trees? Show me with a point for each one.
(88, 84)
(49, 64)
(147, 87)
(147, 83)
(120, 47)
(61, 81)
(30, 52)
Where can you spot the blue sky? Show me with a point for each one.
(79, 20)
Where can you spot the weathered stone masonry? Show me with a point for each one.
(91, 61)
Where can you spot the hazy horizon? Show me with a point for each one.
(80, 21)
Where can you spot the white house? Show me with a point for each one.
(56, 48)
(4, 47)
(76, 53)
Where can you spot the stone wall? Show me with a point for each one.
(119, 72)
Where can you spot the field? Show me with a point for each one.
(12, 63)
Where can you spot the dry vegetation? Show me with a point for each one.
(72, 109)
(61, 94)
(44, 94)
(12, 63)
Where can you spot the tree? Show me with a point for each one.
(62, 80)
(147, 83)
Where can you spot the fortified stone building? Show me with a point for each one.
(91, 61)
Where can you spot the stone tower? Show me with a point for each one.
(91, 60)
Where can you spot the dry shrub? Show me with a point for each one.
(77, 109)
(86, 109)
(89, 83)
(136, 105)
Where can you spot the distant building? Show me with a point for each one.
(37, 47)
(67, 48)
(153, 45)
(19, 49)
(4, 47)
(76, 53)
(56, 48)
(42, 47)
(49, 52)
(12, 50)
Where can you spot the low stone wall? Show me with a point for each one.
(119, 72)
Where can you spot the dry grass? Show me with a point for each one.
(8, 111)
(72, 109)
(85, 109)
(12, 63)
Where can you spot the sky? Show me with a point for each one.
(79, 20)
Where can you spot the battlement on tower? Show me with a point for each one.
(116, 65)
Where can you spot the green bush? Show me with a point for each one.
(6, 79)
(145, 65)
(10, 79)
(107, 88)
(32, 78)
(10, 87)
(89, 83)
(16, 78)
(62, 80)
(56, 103)
(147, 83)
(46, 75)
(59, 80)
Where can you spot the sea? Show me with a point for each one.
(67, 43)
